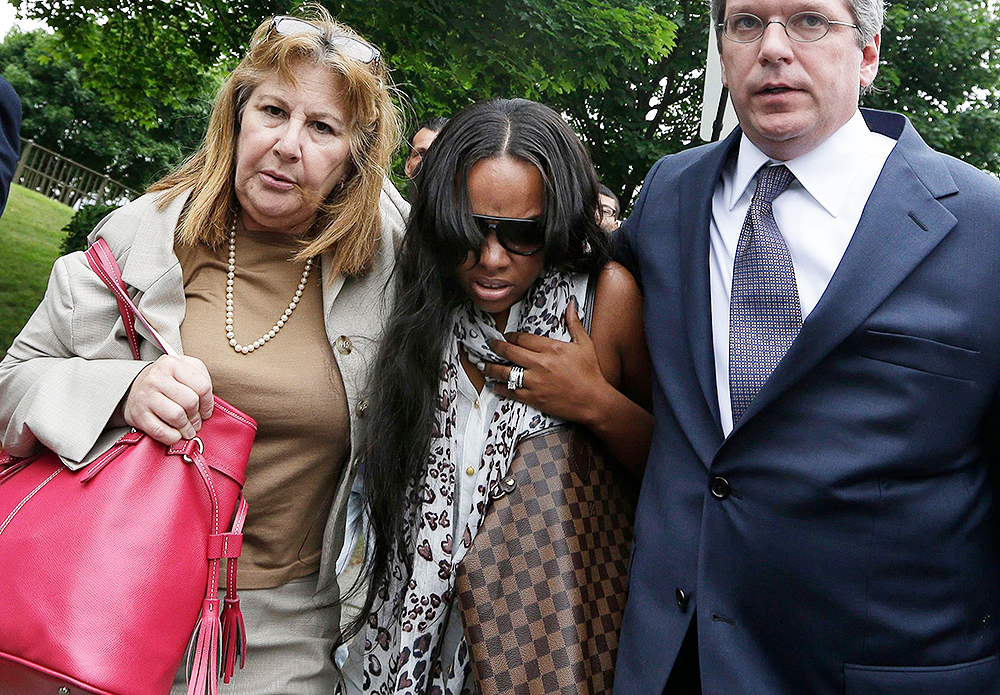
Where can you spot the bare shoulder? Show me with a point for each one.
(617, 305)
(618, 334)
(616, 287)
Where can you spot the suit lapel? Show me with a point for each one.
(694, 213)
(902, 222)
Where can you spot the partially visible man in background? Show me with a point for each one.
(609, 210)
(420, 142)
(10, 137)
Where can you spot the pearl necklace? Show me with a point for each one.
(231, 276)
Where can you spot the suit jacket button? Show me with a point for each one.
(682, 599)
(719, 487)
(344, 345)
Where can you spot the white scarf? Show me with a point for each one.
(403, 656)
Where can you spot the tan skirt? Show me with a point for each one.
(290, 644)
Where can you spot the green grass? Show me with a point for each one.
(30, 237)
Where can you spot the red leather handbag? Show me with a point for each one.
(106, 570)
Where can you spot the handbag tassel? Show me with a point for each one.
(234, 638)
(234, 634)
(205, 647)
(205, 651)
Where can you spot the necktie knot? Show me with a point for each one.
(771, 182)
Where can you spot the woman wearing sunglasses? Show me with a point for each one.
(502, 239)
(265, 256)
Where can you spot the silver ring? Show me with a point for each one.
(515, 379)
(201, 450)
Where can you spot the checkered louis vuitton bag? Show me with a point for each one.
(543, 587)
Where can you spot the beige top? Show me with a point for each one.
(291, 386)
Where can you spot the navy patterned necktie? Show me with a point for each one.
(764, 311)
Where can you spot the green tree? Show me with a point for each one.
(652, 108)
(64, 115)
(591, 61)
(941, 67)
(81, 225)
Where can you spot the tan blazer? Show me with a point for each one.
(70, 366)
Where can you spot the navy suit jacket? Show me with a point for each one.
(852, 544)
(10, 137)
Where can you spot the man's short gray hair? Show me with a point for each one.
(868, 15)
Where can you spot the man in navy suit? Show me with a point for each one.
(822, 304)
(10, 137)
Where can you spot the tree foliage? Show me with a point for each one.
(653, 107)
(599, 64)
(941, 67)
(143, 55)
(61, 113)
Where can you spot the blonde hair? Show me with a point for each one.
(348, 220)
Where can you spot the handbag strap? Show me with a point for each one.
(588, 301)
(103, 262)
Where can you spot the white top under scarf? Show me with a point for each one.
(817, 216)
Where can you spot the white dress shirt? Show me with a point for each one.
(817, 216)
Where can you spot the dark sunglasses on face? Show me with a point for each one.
(522, 237)
(347, 45)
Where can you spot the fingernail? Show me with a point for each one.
(481, 366)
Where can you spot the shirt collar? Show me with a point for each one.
(826, 172)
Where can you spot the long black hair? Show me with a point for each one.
(395, 437)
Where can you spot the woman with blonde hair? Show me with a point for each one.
(265, 256)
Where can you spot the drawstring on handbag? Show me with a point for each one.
(217, 640)
(234, 634)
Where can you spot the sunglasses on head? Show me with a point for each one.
(522, 237)
(347, 45)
